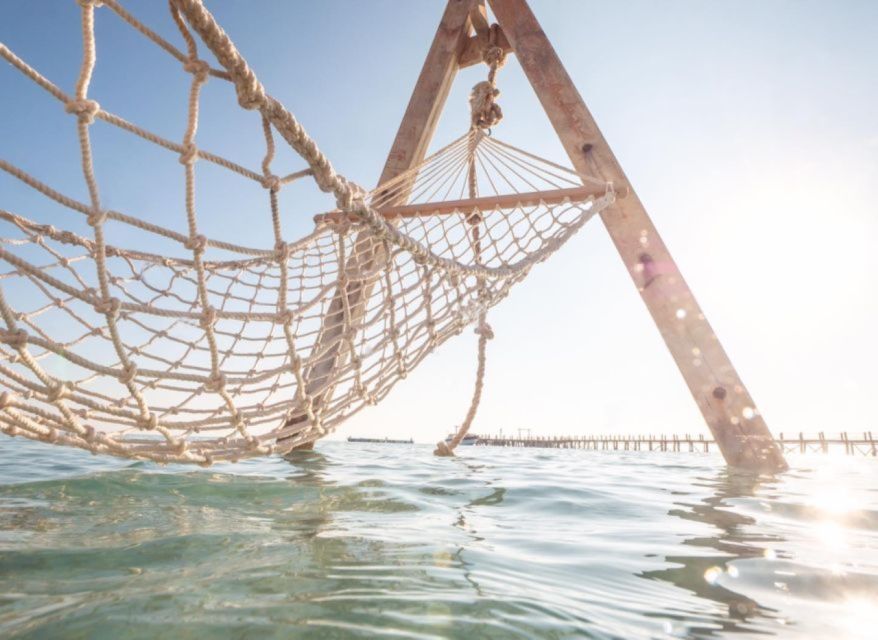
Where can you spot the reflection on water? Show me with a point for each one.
(389, 541)
(824, 568)
(701, 574)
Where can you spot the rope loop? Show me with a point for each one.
(85, 4)
(85, 109)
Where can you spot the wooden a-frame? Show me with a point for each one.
(724, 401)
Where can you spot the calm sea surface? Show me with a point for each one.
(388, 541)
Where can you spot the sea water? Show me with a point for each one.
(387, 541)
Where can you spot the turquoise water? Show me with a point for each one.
(388, 541)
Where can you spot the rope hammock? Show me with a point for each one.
(219, 351)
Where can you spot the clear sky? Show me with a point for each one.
(749, 130)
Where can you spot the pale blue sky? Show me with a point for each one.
(749, 129)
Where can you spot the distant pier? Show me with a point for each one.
(851, 445)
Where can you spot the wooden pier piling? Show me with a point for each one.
(674, 443)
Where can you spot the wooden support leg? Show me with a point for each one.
(730, 412)
(408, 150)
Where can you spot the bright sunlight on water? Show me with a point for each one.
(388, 541)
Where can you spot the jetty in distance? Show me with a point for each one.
(850, 444)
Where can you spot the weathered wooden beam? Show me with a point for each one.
(721, 396)
(431, 90)
(485, 203)
(474, 45)
(478, 16)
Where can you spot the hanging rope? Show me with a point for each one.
(485, 113)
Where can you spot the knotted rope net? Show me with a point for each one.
(221, 351)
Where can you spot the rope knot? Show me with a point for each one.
(189, 154)
(109, 307)
(97, 218)
(215, 383)
(443, 450)
(128, 373)
(251, 94)
(494, 56)
(198, 68)
(196, 243)
(57, 391)
(84, 109)
(486, 112)
(148, 422)
(208, 318)
(85, 4)
(286, 316)
(350, 196)
(16, 338)
(282, 250)
(6, 399)
(484, 330)
(271, 182)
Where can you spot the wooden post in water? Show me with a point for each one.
(409, 149)
(727, 407)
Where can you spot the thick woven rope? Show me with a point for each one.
(220, 351)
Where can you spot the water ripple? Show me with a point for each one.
(388, 541)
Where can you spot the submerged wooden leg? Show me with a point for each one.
(730, 412)
(409, 148)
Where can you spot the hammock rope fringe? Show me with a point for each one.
(220, 351)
